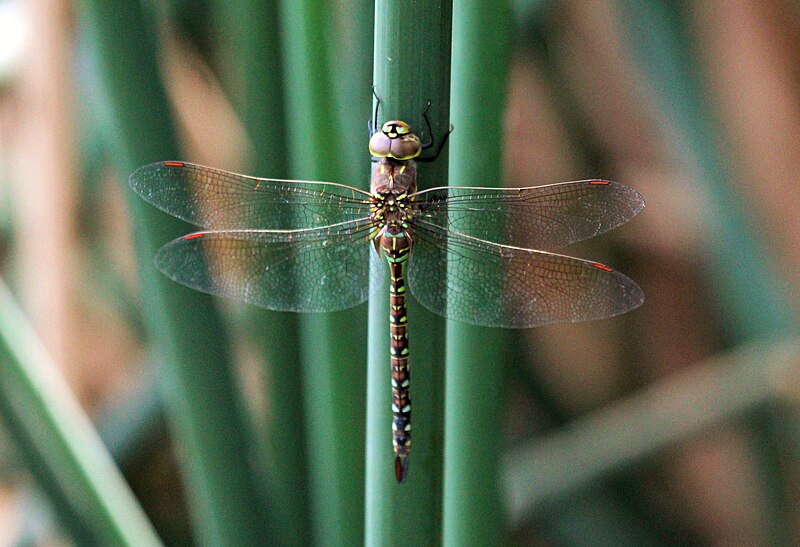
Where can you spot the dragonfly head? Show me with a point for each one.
(395, 140)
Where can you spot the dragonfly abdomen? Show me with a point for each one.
(395, 249)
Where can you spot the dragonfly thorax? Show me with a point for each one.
(391, 210)
(396, 177)
(391, 213)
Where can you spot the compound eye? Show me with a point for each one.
(405, 148)
(380, 145)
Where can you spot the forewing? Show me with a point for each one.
(481, 283)
(538, 217)
(219, 200)
(318, 270)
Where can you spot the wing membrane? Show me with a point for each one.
(538, 217)
(482, 283)
(315, 270)
(219, 200)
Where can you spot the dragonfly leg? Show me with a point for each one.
(372, 126)
(373, 123)
(428, 145)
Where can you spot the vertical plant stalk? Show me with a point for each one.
(331, 344)
(249, 63)
(473, 388)
(203, 406)
(66, 452)
(411, 67)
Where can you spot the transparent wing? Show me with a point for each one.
(482, 283)
(314, 270)
(538, 217)
(219, 200)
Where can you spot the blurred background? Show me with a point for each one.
(674, 424)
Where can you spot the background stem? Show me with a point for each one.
(474, 386)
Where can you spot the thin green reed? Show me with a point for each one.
(753, 298)
(749, 292)
(62, 450)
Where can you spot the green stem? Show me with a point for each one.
(203, 405)
(67, 454)
(472, 510)
(411, 67)
(315, 63)
(249, 64)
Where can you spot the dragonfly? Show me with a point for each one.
(478, 255)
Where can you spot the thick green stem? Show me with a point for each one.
(474, 394)
(411, 67)
(320, 123)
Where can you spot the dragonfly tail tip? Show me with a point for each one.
(401, 468)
